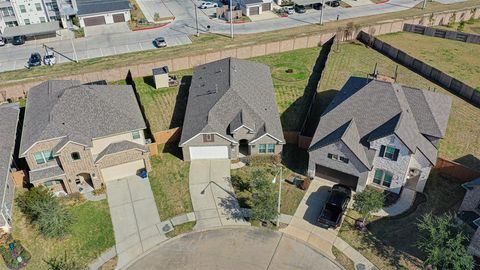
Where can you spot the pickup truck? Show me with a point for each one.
(336, 204)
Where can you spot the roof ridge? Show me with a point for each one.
(430, 110)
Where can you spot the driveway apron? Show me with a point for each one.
(134, 216)
(213, 198)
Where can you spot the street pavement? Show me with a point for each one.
(178, 31)
(213, 198)
(238, 248)
(135, 219)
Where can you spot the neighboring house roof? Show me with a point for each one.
(86, 7)
(8, 129)
(229, 93)
(120, 147)
(45, 173)
(472, 184)
(58, 109)
(375, 109)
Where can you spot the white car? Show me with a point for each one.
(206, 5)
(2, 41)
(289, 10)
(49, 59)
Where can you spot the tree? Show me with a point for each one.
(156, 16)
(62, 263)
(33, 201)
(55, 222)
(367, 202)
(444, 243)
(264, 198)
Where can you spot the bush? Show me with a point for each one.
(34, 201)
(76, 21)
(62, 263)
(55, 222)
(368, 201)
(156, 17)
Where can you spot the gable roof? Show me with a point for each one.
(86, 7)
(8, 130)
(472, 184)
(120, 147)
(229, 93)
(58, 109)
(379, 109)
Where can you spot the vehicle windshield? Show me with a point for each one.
(49, 56)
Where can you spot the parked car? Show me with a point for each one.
(206, 5)
(289, 10)
(49, 59)
(18, 40)
(333, 210)
(2, 41)
(317, 6)
(160, 42)
(299, 8)
(333, 3)
(34, 60)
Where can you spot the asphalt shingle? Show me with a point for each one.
(86, 7)
(120, 147)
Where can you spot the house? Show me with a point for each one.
(98, 12)
(379, 133)
(76, 137)
(470, 210)
(8, 130)
(254, 7)
(231, 111)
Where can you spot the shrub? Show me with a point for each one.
(62, 263)
(32, 202)
(368, 201)
(76, 21)
(156, 17)
(264, 197)
(461, 26)
(55, 222)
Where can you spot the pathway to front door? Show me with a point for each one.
(213, 198)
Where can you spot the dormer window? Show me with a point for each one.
(75, 156)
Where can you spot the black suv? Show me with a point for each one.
(35, 60)
(18, 40)
(299, 8)
(335, 207)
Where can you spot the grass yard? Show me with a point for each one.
(169, 182)
(458, 59)
(470, 27)
(92, 234)
(382, 244)
(462, 140)
(342, 259)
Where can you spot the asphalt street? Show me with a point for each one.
(178, 32)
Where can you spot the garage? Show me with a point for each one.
(254, 11)
(208, 152)
(336, 176)
(118, 18)
(98, 20)
(266, 7)
(122, 170)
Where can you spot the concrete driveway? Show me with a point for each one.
(106, 29)
(150, 7)
(239, 248)
(134, 216)
(213, 198)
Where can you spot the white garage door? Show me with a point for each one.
(122, 170)
(208, 152)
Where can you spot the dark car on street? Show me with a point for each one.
(34, 60)
(299, 8)
(160, 42)
(333, 3)
(18, 40)
(336, 205)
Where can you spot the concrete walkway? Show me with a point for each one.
(407, 197)
(303, 225)
(213, 198)
(136, 223)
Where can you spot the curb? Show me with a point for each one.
(383, 2)
(153, 27)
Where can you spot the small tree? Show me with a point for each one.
(62, 263)
(156, 17)
(264, 198)
(32, 202)
(55, 222)
(444, 243)
(368, 201)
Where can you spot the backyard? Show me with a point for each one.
(92, 234)
(470, 27)
(453, 57)
(390, 242)
(462, 139)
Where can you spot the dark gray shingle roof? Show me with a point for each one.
(380, 109)
(228, 93)
(120, 147)
(44, 173)
(86, 7)
(56, 109)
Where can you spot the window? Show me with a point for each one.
(53, 183)
(27, 21)
(22, 8)
(52, 6)
(332, 156)
(344, 159)
(75, 156)
(42, 19)
(7, 11)
(38, 6)
(262, 148)
(208, 138)
(389, 152)
(11, 24)
(383, 178)
(136, 134)
(271, 148)
(43, 157)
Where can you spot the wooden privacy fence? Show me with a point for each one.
(456, 170)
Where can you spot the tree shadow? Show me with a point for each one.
(295, 158)
(315, 203)
(181, 102)
(321, 102)
(470, 161)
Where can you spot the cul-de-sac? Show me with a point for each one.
(240, 134)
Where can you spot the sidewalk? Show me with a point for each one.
(407, 197)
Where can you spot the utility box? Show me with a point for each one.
(160, 77)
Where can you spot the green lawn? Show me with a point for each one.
(169, 182)
(181, 229)
(462, 140)
(92, 234)
(458, 59)
(471, 27)
(382, 244)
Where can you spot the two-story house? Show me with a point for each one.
(379, 133)
(470, 211)
(76, 137)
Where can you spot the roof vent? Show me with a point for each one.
(218, 71)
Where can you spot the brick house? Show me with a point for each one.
(379, 133)
(75, 137)
(470, 211)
